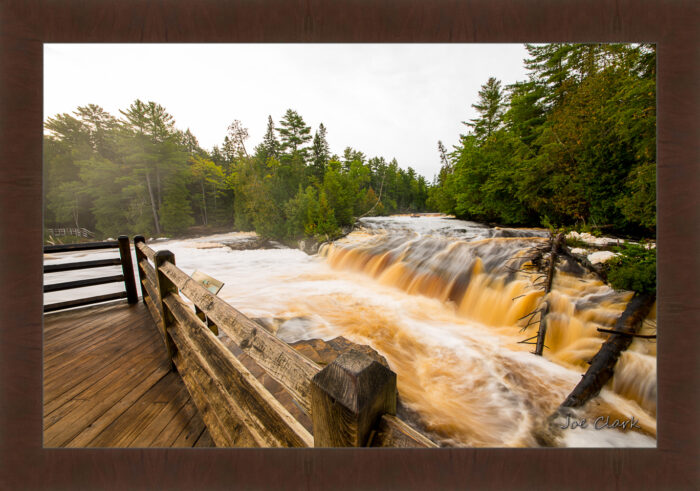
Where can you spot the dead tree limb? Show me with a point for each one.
(634, 335)
(541, 333)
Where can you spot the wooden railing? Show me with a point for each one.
(124, 259)
(73, 231)
(352, 401)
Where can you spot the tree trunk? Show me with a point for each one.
(204, 203)
(75, 213)
(159, 195)
(542, 332)
(153, 204)
(603, 363)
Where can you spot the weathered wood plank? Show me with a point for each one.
(169, 411)
(100, 263)
(75, 379)
(392, 432)
(68, 285)
(157, 317)
(205, 440)
(283, 363)
(219, 432)
(117, 371)
(87, 411)
(150, 277)
(69, 304)
(124, 429)
(102, 351)
(84, 246)
(147, 251)
(84, 438)
(268, 419)
(165, 287)
(192, 431)
(181, 419)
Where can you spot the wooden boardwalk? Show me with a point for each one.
(107, 383)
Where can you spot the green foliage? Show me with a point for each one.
(634, 269)
(574, 146)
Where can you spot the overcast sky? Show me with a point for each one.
(390, 100)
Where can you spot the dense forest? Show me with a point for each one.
(573, 146)
(139, 174)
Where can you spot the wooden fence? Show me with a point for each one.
(352, 401)
(124, 259)
(70, 231)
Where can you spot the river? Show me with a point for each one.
(442, 300)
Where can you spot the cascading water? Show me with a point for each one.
(498, 391)
(444, 302)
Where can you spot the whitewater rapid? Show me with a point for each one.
(463, 372)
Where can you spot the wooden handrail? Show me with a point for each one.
(84, 246)
(270, 423)
(236, 408)
(282, 362)
(124, 259)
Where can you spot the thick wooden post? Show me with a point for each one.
(127, 269)
(165, 288)
(140, 256)
(348, 397)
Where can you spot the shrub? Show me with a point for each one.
(634, 269)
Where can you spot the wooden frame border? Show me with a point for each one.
(26, 24)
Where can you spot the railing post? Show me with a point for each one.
(165, 288)
(347, 399)
(139, 256)
(127, 269)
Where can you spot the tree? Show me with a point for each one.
(210, 178)
(270, 147)
(294, 133)
(320, 153)
(489, 109)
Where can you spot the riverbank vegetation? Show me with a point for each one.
(139, 174)
(572, 146)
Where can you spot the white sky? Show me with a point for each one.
(390, 100)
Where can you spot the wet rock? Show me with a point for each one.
(309, 246)
(325, 352)
(254, 242)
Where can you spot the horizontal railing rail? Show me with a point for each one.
(124, 259)
(351, 402)
(74, 231)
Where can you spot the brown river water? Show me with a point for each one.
(443, 300)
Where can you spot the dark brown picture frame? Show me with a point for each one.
(26, 24)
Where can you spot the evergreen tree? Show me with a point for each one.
(294, 133)
(489, 108)
(320, 153)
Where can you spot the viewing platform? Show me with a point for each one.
(108, 383)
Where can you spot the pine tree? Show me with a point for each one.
(489, 108)
(294, 133)
(320, 152)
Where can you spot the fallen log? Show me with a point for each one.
(601, 368)
(603, 363)
(583, 261)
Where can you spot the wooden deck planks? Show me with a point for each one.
(107, 382)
